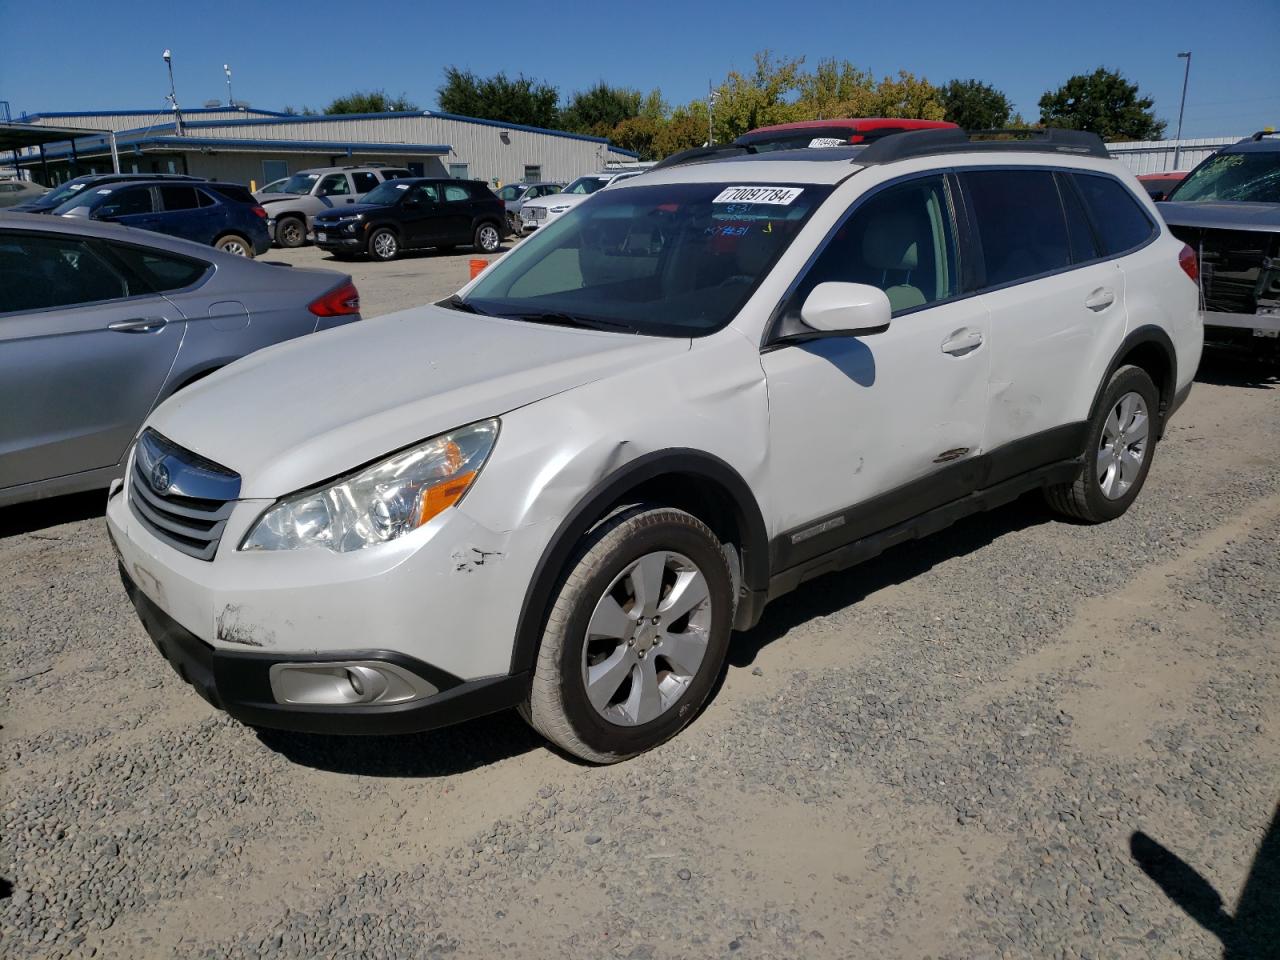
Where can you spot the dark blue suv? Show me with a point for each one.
(222, 215)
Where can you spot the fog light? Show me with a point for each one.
(346, 683)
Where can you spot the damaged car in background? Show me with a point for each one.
(1228, 211)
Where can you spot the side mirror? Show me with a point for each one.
(853, 309)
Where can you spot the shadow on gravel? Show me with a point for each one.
(836, 591)
(440, 753)
(41, 514)
(1253, 932)
(1225, 367)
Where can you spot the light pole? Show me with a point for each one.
(1186, 74)
(173, 93)
(226, 68)
(711, 106)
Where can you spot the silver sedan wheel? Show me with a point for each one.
(1123, 446)
(384, 245)
(646, 638)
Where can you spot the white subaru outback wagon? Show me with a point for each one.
(564, 487)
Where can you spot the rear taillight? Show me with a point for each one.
(339, 302)
(1189, 263)
(260, 211)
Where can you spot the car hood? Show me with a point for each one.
(269, 198)
(347, 209)
(1222, 215)
(558, 200)
(310, 409)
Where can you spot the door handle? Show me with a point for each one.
(1100, 299)
(138, 325)
(962, 342)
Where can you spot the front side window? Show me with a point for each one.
(901, 240)
(44, 272)
(365, 181)
(426, 193)
(511, 192)
(1020, 223)
(1249, 177)
(1121, 222)
(334, 185)
(122, 203)
(666, 260)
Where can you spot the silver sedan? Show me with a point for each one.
(99, 323)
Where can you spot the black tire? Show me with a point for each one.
(488, 238)
(558, 706)
(384, 244)
(291, 231)
(1084, 499)
(234, 244)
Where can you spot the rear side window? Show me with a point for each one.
(455, 192)
(364, 181)
(179, 198)
(1121, 222)
(160, 272)
(1079, 233)
(43, 272)
(1020, 223)
(234, 192)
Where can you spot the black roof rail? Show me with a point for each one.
(923, 143)
(703, 153)
(1257, 137)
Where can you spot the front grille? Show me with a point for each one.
(179, 496)
(535, 213)
(1231, 267)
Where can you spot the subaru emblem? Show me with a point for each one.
(159, 477)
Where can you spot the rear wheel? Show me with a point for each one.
(1121, 443)
(291, 231)
(488, 239)
(384, 244)
(234, 244)
(636, 638)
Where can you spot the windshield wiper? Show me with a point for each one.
(457, 303)
(574, 320)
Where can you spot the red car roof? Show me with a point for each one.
(856, 124)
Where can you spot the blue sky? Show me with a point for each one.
(84, 54)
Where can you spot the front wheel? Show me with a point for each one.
(636, 637)
(487, 238)
(1118, 451)
(384, 244)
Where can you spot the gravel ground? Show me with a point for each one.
(983, 745)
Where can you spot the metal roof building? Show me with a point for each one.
(1156, 156)
(258, 146)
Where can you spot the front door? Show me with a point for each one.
(866, 432)
(83, 356)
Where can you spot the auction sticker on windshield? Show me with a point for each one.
(778, 196)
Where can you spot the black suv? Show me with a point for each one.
(414, 213)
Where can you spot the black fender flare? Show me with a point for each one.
(1148, 333)
(591, 507)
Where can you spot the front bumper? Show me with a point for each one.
(239, 683)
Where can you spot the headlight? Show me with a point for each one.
(381, 502)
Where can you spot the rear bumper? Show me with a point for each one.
(239, 683)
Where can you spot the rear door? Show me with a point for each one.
(85, 348)
(1057, 313)
(186, 212)
(457, 213)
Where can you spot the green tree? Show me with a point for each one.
(1102, 102)
(975, 105)
(687, 128)
(907, 96)
(835, 88)
(762, 97)
(638, 134)
(511, 100)
(601, 108)
(370, 101)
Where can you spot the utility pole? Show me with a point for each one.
(1186, 75)
(226, 68)
(173, 93)
(711, 106)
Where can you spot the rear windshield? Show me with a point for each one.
(674, 260)
(1250, 177)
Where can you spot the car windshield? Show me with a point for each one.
(586, 185)
(64, 192)
(673, 260)
(511, 191)
(386, 193)
(1251, 177)
(276, 186)
(300, 183)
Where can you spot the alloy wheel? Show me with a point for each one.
(489, 239)
(646, 638)
(384, 246)
(1123, 446)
